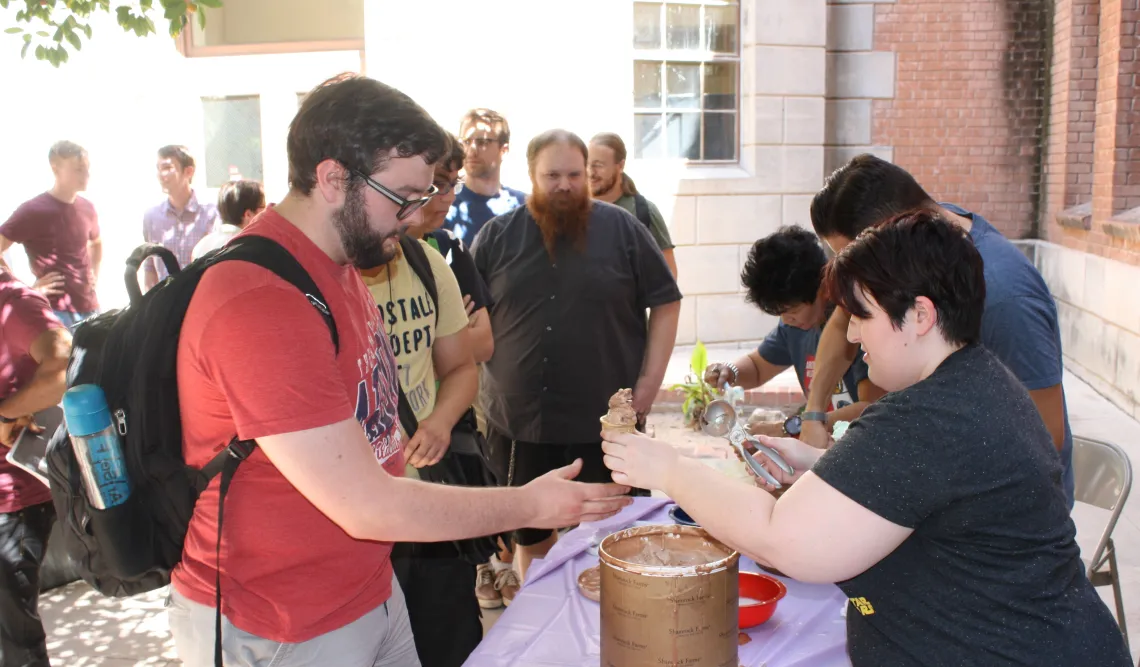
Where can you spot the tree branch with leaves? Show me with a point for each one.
(50, 28)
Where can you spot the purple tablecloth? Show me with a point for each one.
(550, 623)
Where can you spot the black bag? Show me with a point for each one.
(464, 463)
(131, 354)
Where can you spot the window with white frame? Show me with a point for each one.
(686, 93)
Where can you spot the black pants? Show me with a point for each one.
(516, 463)
(439, 588)
(23, 542)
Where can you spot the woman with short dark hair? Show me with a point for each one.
(940, 512)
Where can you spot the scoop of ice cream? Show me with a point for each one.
(621, 409)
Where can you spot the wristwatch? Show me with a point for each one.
(820, 417)
(793, 425)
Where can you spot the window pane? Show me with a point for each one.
(233, 139)
(683, 27)
(720, 136)
(648, 140)
(647, 85)
(683, 86)
(646, 26)
(685, 135)
(720, 85)
(720, 29)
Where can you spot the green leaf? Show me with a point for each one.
(699, 361)
(24, 51)
(41, 33)
(41, 52)
(14, 31)
(202, 20)
(86, 28)
(73, 39)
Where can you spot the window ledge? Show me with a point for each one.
(1125, 225)
(1077, 217)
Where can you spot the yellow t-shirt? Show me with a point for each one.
(412, 323)
(413, 326)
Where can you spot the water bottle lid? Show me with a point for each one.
(85, 410)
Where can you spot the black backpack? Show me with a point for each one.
(641, 207)
(132, 355)
(465, 462)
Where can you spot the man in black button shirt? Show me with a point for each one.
(570, 280)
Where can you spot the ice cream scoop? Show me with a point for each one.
(719, 420)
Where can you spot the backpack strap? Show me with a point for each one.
(641, 207)
(421, 265)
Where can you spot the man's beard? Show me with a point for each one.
(561, 215)
(363, 247)
(478, 170)
(605, 187)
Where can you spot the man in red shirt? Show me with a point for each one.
(33, 362)
(60, 233)
(312, 514)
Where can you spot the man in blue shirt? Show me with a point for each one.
(1019, 324)
(783, 277)
(486, 139)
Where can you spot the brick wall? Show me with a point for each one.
(1093, 160)
(969, 111)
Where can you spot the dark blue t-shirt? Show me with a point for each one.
(472, 210)
(1020, 321)
(791, 346)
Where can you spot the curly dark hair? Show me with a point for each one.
(916, 254)
(784, 270)
(358, 122)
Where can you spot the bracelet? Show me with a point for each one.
(735, 371)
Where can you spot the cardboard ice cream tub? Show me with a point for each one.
(669, 598)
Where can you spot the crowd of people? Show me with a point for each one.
(482, 331)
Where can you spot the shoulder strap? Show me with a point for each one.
(270, 255)
(421, 265)
(641, 206)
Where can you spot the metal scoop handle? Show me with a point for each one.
(772, 454)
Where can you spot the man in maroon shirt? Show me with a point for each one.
(33, 362)
(60, 234)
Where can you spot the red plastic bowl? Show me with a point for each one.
(768, 590)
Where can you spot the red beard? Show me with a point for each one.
(561, 215)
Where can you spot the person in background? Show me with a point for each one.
(34, 347)
(486, 137)
(1019, 325)
(784, 277)
(496, 583)
(239, 202)
(60, 234)
(610, 183)
(476, 295)
(571, 281)
(940, 512)
(181, 220)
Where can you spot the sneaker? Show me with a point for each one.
(486, 589)
(507, 583)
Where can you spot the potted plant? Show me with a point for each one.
(696, 391)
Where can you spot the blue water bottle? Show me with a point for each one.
(98, 449)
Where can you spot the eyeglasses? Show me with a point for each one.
(444, 188)
(479, 142)
(407, 206)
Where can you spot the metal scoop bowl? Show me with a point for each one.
(719, 420)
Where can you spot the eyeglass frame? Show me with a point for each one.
(407, 206)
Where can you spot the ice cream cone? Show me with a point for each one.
(608, 425)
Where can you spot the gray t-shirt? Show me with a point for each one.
(791, 346)
(991, 574)
(1020, 321)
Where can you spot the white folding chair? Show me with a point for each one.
(1103, 476)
